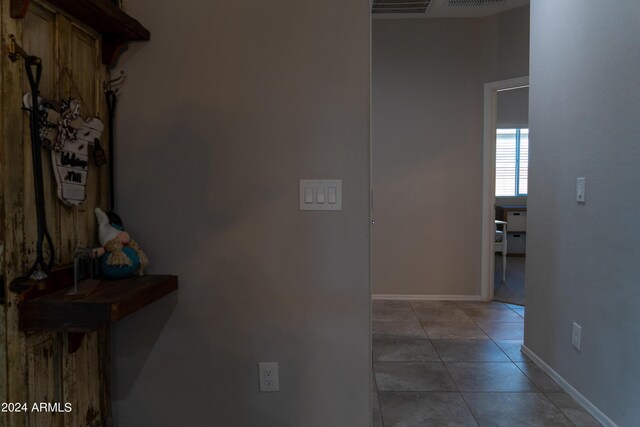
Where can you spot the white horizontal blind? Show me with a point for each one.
(523, 163)
(512, 162)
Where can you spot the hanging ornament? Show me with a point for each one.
(68, 136)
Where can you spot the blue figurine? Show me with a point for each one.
(120, 256)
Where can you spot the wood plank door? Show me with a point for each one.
(38, 367)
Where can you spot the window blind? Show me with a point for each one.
(512, 162)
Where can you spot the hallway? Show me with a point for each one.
(512, 289)
(459, 363)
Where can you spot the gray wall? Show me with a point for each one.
(506, 45)
(513, 108)
(427, 124)
(582, 261)
(228, 106)
(428, 77)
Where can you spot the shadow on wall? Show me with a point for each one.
(133, 347)
(176, 157)
(195, 220)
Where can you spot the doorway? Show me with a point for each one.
(488, 269)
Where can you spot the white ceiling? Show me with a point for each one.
(441, 9)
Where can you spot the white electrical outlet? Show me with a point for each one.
(576, 335)
(268, 376)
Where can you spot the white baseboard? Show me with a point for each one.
(568, 388)
(426, 297)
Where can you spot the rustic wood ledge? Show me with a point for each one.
(53, 310)
(117, 28)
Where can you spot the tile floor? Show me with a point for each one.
(445, 363)
(512, 290)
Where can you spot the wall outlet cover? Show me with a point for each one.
(268, 373)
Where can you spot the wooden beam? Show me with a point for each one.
(116, 27)
(19, 8)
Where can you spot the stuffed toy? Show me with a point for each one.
(120, 256)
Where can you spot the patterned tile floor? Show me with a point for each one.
(445, 363)
(512, 290)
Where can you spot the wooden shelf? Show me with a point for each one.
(117, 28)
(110, 301)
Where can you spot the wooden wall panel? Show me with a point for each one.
(86, 55)
(43, 382)
(81, 382)
(3, 335)
(13, 220)
(68, 222)
(3, 361)
(38, 367)
(43, 361)
(39, 39)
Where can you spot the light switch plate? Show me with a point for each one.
(576, 336)
(580, 190)
(327, 194)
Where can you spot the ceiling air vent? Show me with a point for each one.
(475, 2)
(399, 6)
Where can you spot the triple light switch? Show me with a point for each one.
(320, 194)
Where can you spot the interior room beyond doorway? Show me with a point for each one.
(511, 189)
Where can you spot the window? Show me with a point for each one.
(512, 162)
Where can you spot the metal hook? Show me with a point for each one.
(108, 84)
(15, 52)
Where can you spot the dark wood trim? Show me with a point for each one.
(105, 17)
(19, 8)
(51, 309)
(112, 47)
(74, 341)
(116, 27)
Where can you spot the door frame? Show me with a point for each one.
(491, 90)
